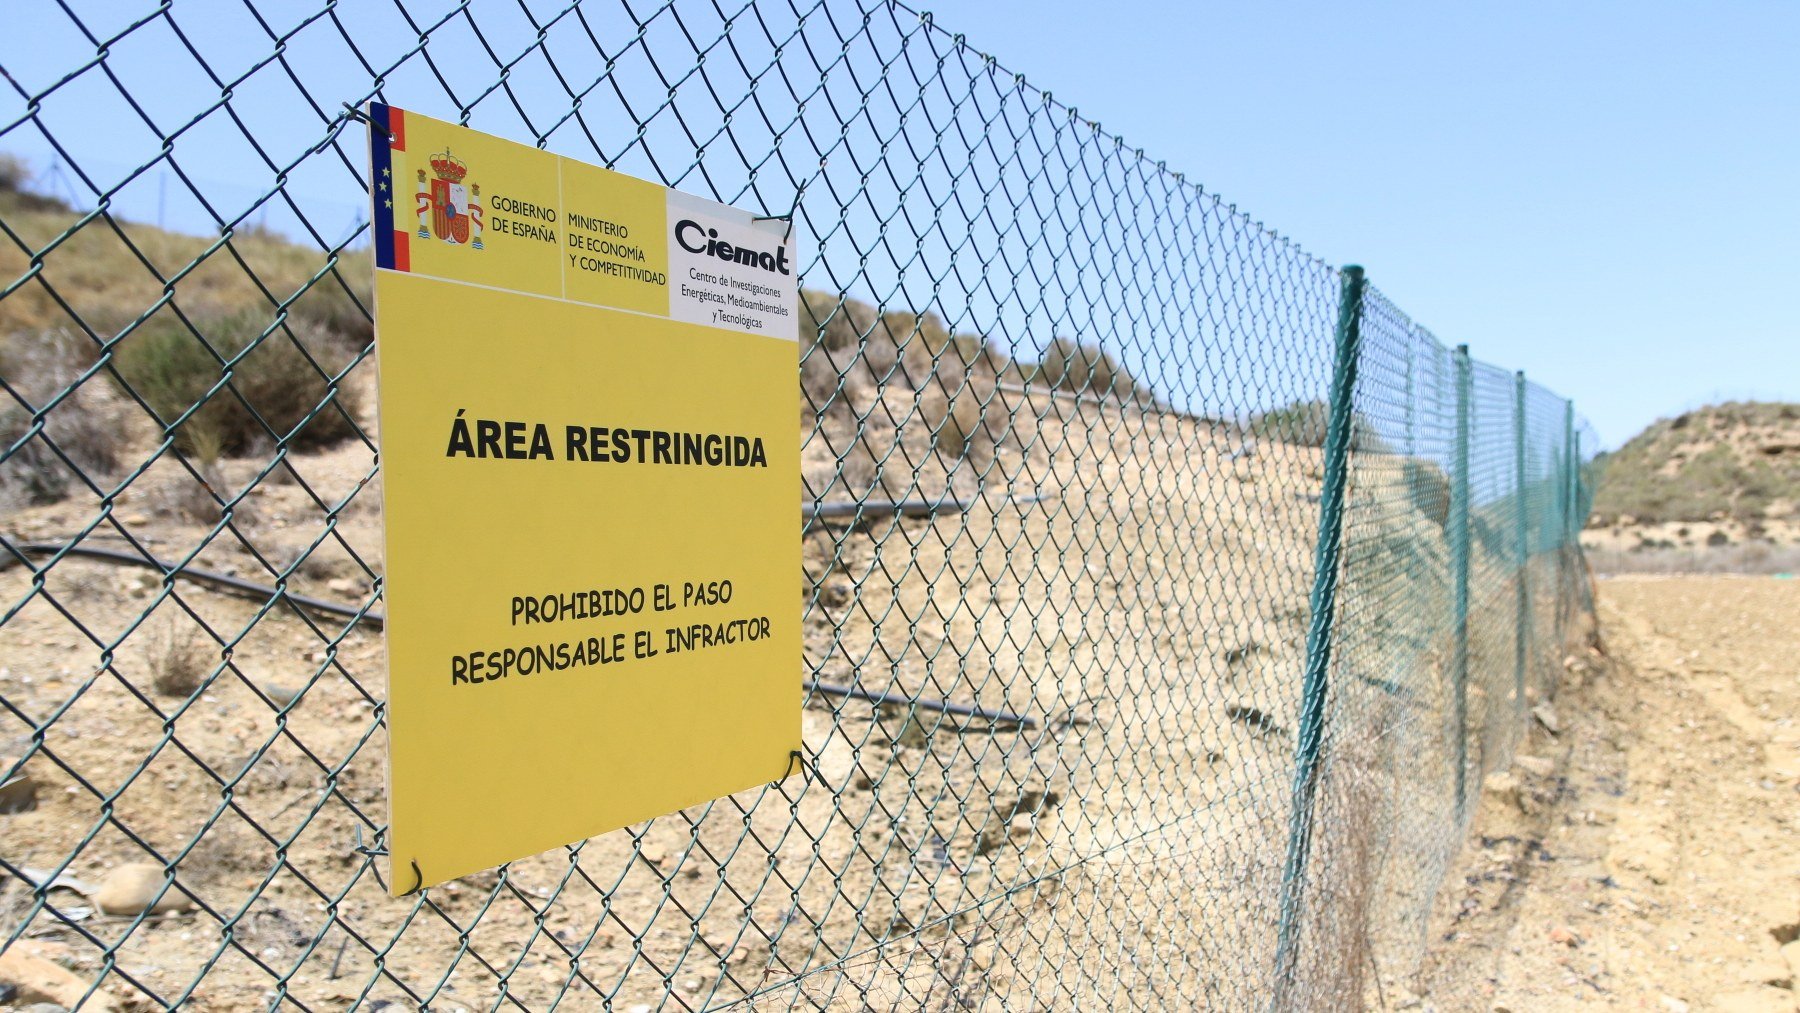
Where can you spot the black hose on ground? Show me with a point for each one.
(905, 508)
(923, 703)
(222, 580)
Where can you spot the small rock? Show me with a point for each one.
(1536, 766)
(39, 980)
(653, 854)
(342, 585)
(1546, 716)
(1673, 1005)
(1256, 717)
(19, 793)
(1502, 785)
(43, 1007)
(1791, 953)
(835, 593)
(280, 696)
(1757, 1000)
(1562, 936)
(1774, 973)
(130, 888)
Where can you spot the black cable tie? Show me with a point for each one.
(787, 233)
(797, 759)
(418, 878)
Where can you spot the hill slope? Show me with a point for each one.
(1737, 461)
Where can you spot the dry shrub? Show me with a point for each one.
(173, 370)
(178, 659)
(199, 496)
(1304, 423)
(1301, 422)
(821, 383)
(968, 420)
(1088, 369)
(90, 426)
(1351, 832)
(919, 341)
(955, 420)
(339, 307)
(838, 323)
(875, 465)
(15, 172)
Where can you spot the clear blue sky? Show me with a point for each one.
(1606, 195)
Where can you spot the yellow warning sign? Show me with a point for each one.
(589, 467)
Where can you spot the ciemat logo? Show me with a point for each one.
(448, 209)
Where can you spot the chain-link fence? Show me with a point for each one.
(1166, 592)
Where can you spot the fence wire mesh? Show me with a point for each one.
(1063, 425)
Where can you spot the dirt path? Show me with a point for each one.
(1649, 856)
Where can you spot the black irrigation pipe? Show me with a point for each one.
(199, 576)
(923, 703)
(320, 605)
(904, 508)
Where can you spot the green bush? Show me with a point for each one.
(172, 370)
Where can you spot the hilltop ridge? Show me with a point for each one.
(1739, 460)
(1719, 484)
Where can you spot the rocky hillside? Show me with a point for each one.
(1714, 488)
(894, 403)
(1738, 461)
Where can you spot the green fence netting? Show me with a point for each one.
(1167, 592)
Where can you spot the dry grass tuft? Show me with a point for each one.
(178, 659)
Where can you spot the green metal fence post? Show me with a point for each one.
(1459, 565)
(1522, 621)
(1571, 481)
(1565, 531)
(1319, 633)
(1583, 502)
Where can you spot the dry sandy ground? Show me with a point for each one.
(1156, 589)
(1656, 864)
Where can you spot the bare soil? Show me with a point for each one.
(914, 859)
(1656, 864)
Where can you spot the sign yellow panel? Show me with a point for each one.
(590, 465)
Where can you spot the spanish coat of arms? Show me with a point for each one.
(448, 209)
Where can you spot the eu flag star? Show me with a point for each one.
(388, 204)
